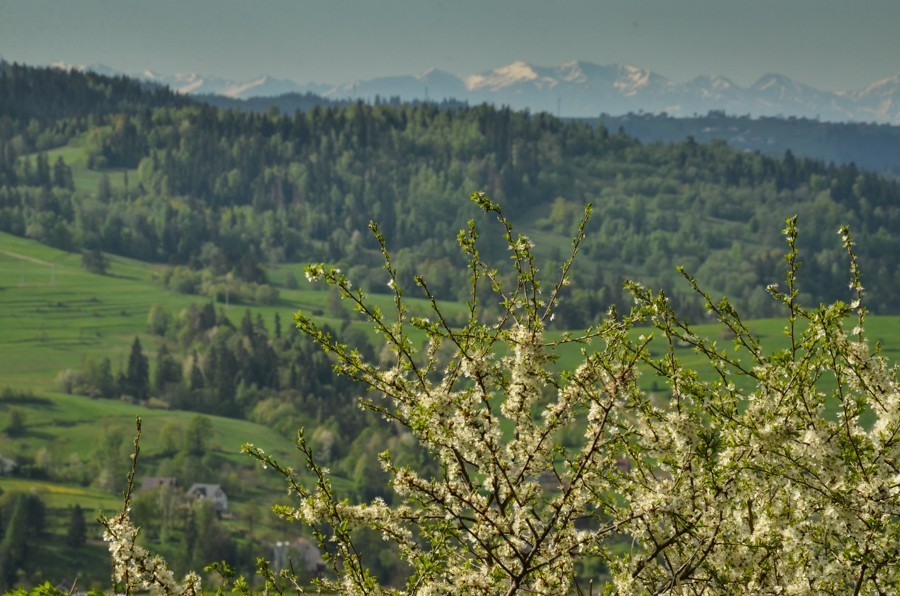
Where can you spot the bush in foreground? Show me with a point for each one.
(739, 484)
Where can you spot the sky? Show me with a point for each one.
(832, 45)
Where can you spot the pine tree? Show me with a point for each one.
(14, 547)
(43, 170)
(247, 328)
(77, 532)
(62, 175)
(195, 377)
(137, 376)
(104, 190)
(16, 425)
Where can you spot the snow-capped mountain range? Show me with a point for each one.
(577, 89)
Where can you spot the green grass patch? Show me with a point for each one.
(86, 180)
(72, 423)
(63, 496)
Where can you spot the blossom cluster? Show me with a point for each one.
(138, 570)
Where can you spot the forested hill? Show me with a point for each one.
(48, 94)
(229, 192)
(869, 145)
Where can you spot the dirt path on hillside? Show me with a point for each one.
(16, 255)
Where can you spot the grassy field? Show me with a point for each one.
(62, 314)
(54, 314)
(87, 180)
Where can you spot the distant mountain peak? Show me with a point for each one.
(504, 76)
(266, 85)
(890, 83)
(436, 72)
(518, 70)
(634, 79)
(574, 71)
(772, 79)
(574, 88)
(62, 65)
(440, 77)
(713, 81)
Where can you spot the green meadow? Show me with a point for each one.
(54, 314)
(88, 180)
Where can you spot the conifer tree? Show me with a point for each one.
(14, 547)
(137, 375)
(196, 381)
(16, 425)
(76, 534)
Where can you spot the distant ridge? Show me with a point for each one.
(575, 89)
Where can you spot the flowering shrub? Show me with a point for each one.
(134, 567)
(740, 484)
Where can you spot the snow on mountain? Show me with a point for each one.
(186, 83)
(775, 94)
(633, 81)
(264, 86)
(586, 89)
(100, 69)
(574, 72)
(503, 77)
(880, 101)
(778, 89)
(883, 88)
(715, 88)
(194, 84)
(574, 88)
(577, 88)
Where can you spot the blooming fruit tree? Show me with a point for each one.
(739, 481)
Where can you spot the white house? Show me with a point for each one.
(212, 493)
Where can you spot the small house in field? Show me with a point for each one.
(154, 482)
(212, 493)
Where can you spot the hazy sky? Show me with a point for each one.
(829, 44)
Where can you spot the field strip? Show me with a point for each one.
(27, 258)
